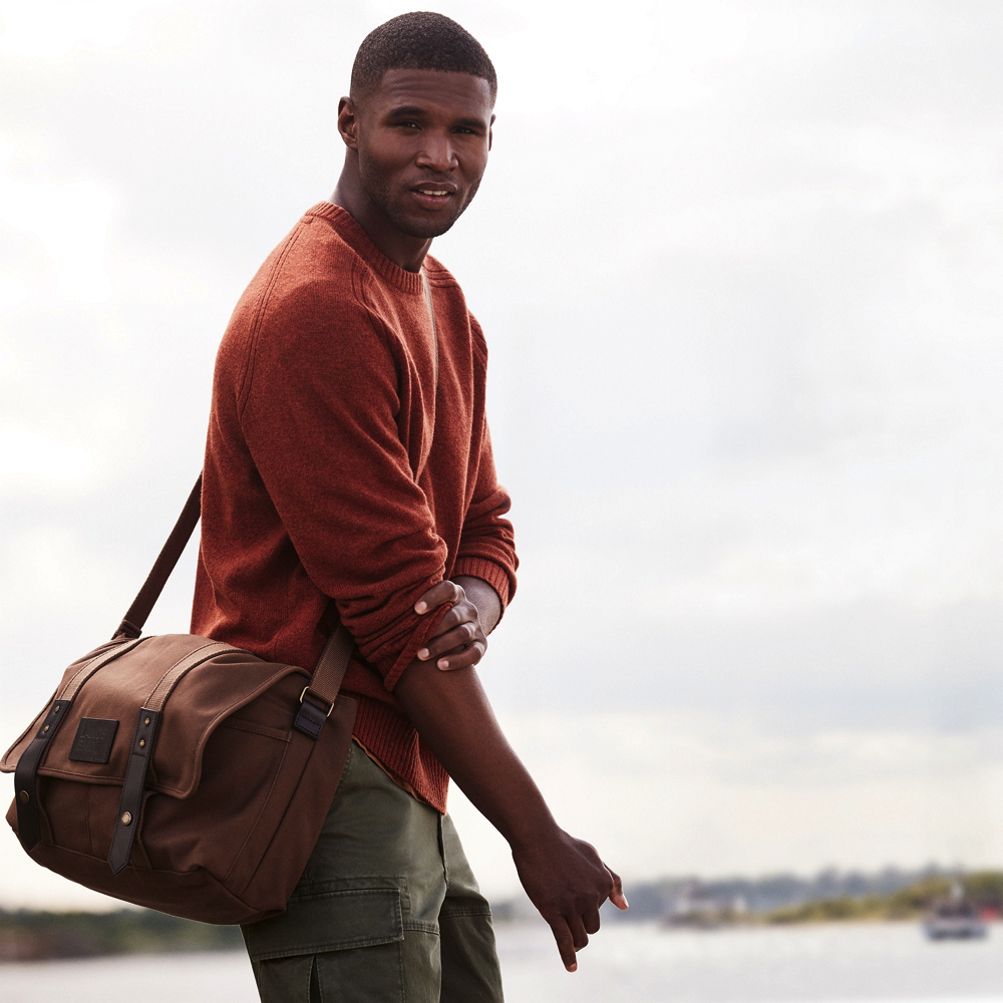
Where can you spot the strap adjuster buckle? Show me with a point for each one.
(307, 689)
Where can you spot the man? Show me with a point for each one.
(348, 464)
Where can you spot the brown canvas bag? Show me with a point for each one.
(180, 773)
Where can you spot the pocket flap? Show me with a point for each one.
(329, 920)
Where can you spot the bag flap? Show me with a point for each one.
(220, 681)
(13, 754)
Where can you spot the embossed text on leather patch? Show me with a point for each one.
(93, 740)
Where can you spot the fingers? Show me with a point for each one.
(460, 641)
(579, 937)
(565, 942)
(455, 640)
(454, 658)
(616, 895)
(443, 592)
(463, 611)
(462, 659)
(572, 935)
(458, 637)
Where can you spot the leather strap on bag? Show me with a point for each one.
(133, 621)
(29, 826)
(331, 667)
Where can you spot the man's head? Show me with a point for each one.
(417, 127)
(421, 40)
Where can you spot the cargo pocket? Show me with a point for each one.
(334, 942)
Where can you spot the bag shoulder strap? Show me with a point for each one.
(333, 663)
(135, 617)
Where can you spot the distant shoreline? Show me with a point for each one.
(677, 904)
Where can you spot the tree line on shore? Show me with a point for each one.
(829, 896)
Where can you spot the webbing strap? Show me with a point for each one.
(134, 620)
(333, 663)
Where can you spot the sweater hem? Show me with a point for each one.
(393, 742)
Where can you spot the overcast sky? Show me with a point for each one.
(739, 268)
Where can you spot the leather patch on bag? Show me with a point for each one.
(93, 740)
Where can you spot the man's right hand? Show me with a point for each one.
(567, 882)
(563, 876)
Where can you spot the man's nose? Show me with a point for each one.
(437, 152)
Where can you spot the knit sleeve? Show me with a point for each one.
(487, 542)
(319, 416)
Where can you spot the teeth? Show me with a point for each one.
(431, 191)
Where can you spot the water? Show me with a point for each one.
(865, 963)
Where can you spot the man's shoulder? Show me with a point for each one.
(441, 278)
(306, 297)
(315, 260)
(439, 275)
(311, 270)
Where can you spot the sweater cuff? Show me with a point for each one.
(499, 578)
(426, 628)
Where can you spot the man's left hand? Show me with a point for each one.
(461, 641)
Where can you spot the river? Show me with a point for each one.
(639, 963)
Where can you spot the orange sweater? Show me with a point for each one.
(348, 459)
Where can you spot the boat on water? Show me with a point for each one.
(696, 908)
(955, 918)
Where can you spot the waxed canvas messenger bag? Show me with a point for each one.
(181, 773)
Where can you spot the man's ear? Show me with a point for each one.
(348, 122)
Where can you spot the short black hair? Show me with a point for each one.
(421, 40)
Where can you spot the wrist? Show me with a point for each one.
(531, 831)
(484, 598)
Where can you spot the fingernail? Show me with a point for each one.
(626, 904)
(424, 653)
(443, 663)
(573, 967)
(421, 607)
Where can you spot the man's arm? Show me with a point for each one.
(564, 877)
(484, 598)
(317, 409)
(487, 546)
(485, 566)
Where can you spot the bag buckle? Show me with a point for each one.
(303, 697)
(310, 718)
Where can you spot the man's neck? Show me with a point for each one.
(402, 249)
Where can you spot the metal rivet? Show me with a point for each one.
(142, 743)
(56, 709)
(45, 729)
(127, 818)
(25, 797)
(146, 721)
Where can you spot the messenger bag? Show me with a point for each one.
(181, 773)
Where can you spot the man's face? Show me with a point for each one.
(422, 138)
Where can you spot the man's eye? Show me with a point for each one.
(408, 124)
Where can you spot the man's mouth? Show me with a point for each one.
(433, 194)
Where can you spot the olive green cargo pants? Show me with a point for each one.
(387, 908)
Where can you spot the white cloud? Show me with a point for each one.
(669, 793)
(738, 266)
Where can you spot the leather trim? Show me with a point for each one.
(26, 776)
(130, 807)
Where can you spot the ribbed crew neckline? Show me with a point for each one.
(349, 229)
